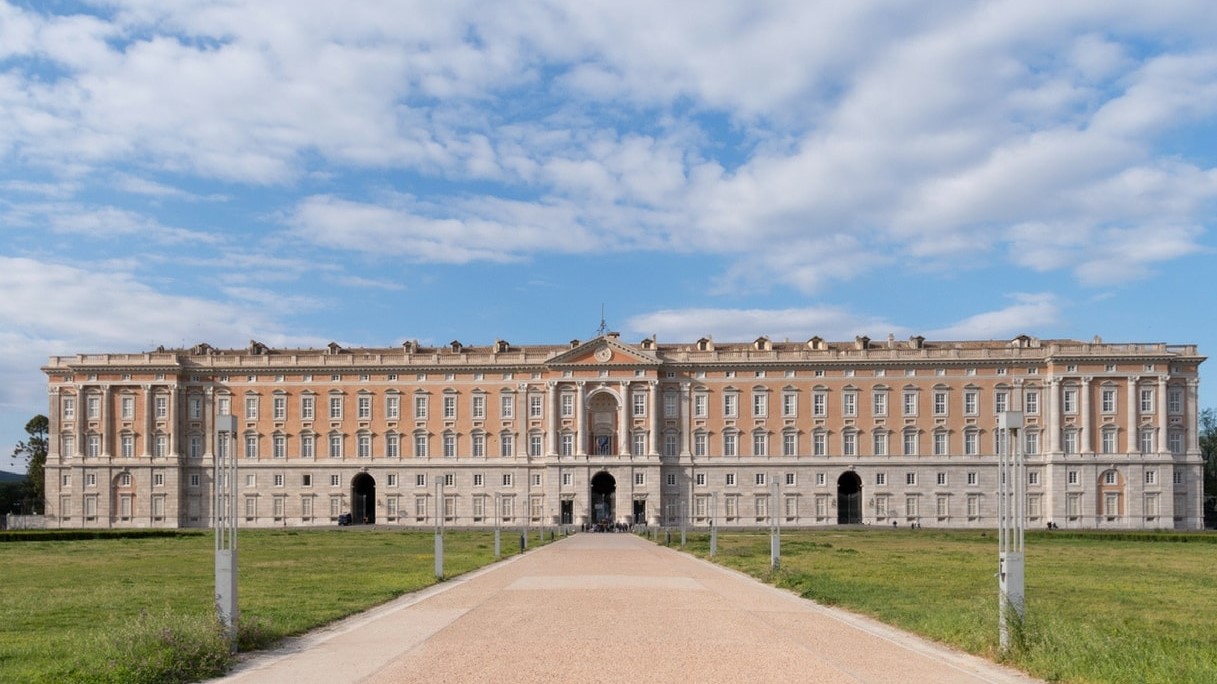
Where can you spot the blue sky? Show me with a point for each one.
(300, 171)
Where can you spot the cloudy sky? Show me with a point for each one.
(301, 171)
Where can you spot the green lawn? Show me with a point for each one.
(1100, 608)
(61, 599)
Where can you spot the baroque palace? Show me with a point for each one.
(891, 432)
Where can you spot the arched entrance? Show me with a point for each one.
(604, 490)
(363, 500)
(849, 499)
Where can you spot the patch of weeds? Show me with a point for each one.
(161, 648)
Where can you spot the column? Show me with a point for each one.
(1134, 437)
(656, 420)
(209, 437)
(149, 422)
(626, 420)
(175, 422)
(1086, 444)
(580, 420)
(551, 410)
(1054, 415)
(106, 431)
(522, 422)
(686, 420)
(1163, 421)
(54, 424)
(1193, 426)
(82, 421)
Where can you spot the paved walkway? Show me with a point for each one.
(611, 608)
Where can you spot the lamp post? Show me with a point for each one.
(775, 531)
(225, 506)
(439, 528)
(498, 523)
(714, 524)
(1011, 525)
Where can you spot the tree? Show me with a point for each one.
(1208, 448)
(33, 451)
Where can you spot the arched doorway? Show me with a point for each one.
(363, 500)
(849, 499)
(604, 490)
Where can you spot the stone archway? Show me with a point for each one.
(363, 499)
(604, 495)
(603, 413)
(849, 499)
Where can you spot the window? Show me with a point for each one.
(536, 404)
(69, 408)
(789, 444)
(879, 403)
(1109, 441)
(335, 408)
(251, 446)
(699, 480)
(195, 407)
(638, 401)
(880, 479)
(879, 443)
(127, 408)
(307, 407)
(971, 403)
(93, 408)
(278, 407)
(1031, 401)
(973, 505)
(791, 480)
(363, 446)
(479, 445)
(760, 405)
(1070, 442)
(940, 443)
(699, 444)
(536, 479)
(306, 480)
(1069, 400)
(973, 478)
(1107, 400)
(449, 479)
(306, 446)
(479, 480)
(790, 405)
(392, 445)
(730, 479)
(940, 403)
(700, 401)
(566, 404)
(420, 407)
(1072, 477)
(363, 407)
(161, 407)
(449, 445)
(535, 444)
(638, 444)
(820, 479)
(279, 446)
(910, 403)
(194, 480)
(507, 445)
(1147, 400)
(849, 443)
(1151, 477)
(849, 403)
(506, 479)
(449, 407)
(728, 444)
(1031, 442)
(278, 480)
(1001, 401)
(392, 407)
(730, 404)
(819, 404)
(819, 443)
(759, 479)
(478, 407)
(1174, 401)
(160, 447)
(640, 478)
(671, 479)
(420, 480)
(507, 406)
(420, 446)
(566, 444)
(1174, 442)
(760, 444)
(910, 443)
(971, 443)
(1146, 441)
(941, 479)
(566, 479)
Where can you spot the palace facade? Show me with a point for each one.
(741, 434)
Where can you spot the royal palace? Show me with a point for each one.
(807, 433)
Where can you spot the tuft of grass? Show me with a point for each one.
(164, 647)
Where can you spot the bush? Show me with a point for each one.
(159, 648)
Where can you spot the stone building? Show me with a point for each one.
(814, 433)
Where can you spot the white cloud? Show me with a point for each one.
(1028, 314)
(741, 325)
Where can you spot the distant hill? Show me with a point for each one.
(6, 476)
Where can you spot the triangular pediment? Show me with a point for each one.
(604, 351)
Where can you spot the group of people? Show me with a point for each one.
(606, 527)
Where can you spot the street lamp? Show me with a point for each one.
(225, 506)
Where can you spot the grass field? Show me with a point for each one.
(63, 601)
(1100, 608)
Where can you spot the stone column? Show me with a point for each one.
(107, 432)
(82, 420)
(1053, 387)
(656, 419)
(580, 419)
(175, 422)
(149, 421)
(1134, 437)
(686, 420)
(522, 421)
(209, 438)
(1163, 420)
(626, 420)
(551, 408)
(1193, 426)
(1086, 441)
(54, 425)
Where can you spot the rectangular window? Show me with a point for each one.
(567, 479)
(251, 446)
(335, 446)
(638, 400)
(278, 479)
(730, 479)
(363, 448)
(479, 480)
(507, 445)
(880, 479)
(363, 407)
(69, 408)
(506, 479)
(195, 407)
(1031, 402)
(910, 443)
(420, 407)
(420, 480)
(1107, 400)
(306, 480)
(910, 479)
(306, 446)
(93, 408)
(699, 480)
(760, 405)
(1174, 442)
(910, 403)
(699, 444)
(566, 404)
(1031, 442)
(731, 507)
(449, 446)
(728, 444)
(478, 407)
(760, 444)
(638, 444)
(640, 478)
(879, 403)
(941, 479)
(730, 404)
(1072, 477)
(479, 445)
(307, 407)
(940, 443)
(971, 443)
(449, 407)
(1147, 400)
(127, 408)
(849, 403)
(973, 478)
(566, 444)
(278, 407)
(759, 479)
(973, 505)
(279, 446)
(392, 407)
(819, 444)
(879, 443)
(849, 444)
(1174, 401)
(536, 405)
(392, 445)
(1001, 402)
(507, 406)
(790, 405)
(940, 403)
(819, 404)
(700, 402)
(971, 403)
(161, 407)
(160, 446)
(1069, 401)
(335, 408)
(789, 444)
(791, 479)
(420, 446)
(1109, 441)
(535, 445)
(1070, 442)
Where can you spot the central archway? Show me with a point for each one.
(849, 499)
(604, 490)
(363, 500)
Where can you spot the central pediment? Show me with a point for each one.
(605, 350)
